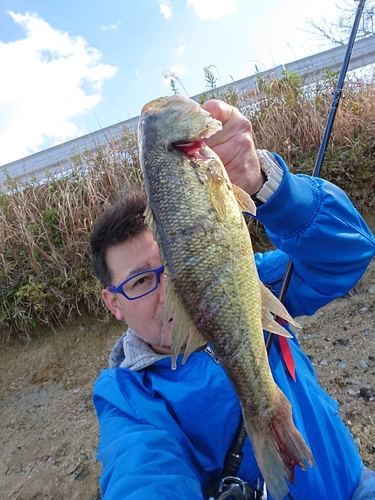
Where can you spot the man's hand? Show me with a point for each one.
(234, 144)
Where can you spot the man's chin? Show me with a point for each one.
(162, 349)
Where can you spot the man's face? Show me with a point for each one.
(145, 314)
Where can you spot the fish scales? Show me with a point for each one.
(205, 244)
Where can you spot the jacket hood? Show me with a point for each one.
(130, 351)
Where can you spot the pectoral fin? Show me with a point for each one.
(244, 200)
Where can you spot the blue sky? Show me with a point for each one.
(73, 67)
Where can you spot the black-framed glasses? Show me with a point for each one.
(139, 285)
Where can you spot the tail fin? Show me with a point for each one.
(278, 446)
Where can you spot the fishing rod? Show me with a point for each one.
(234, 456)
(326, 135)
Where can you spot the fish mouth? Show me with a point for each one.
(194, 150)
(197, 149)
(187, 117)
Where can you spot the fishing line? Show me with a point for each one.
(234, 456)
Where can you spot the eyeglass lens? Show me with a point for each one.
(141, 284)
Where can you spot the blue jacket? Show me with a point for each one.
(164, 434)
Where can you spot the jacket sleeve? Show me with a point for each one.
(139, 458)
(313, 222)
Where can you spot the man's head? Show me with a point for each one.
(122, 247)
(119, 222)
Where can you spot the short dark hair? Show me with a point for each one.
(119, 222)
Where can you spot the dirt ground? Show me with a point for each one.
(48, 428)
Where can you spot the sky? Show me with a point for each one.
(70, 68)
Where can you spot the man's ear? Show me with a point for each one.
(111, 302)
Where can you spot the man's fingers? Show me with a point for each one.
(219, 109)
(234, 145)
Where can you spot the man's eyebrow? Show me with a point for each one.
(137, 270)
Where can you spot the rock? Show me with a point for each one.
(363, 364)
(365, 393)
(371, 289)
(323, 362)
(339, 381)
(341, 365)
(341, 341)
(357, 442)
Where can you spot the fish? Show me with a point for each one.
(214, 293)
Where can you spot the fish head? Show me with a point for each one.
(177, 121)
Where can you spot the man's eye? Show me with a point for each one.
(141, 281)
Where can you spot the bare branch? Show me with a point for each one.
(338, 30)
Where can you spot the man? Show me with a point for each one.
(164, 434)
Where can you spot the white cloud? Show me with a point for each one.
(181, 49)
(41, 88)
(165, 8)
(110, 27)
(178, 70)
(212, 9)
(174, 73)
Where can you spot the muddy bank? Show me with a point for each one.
(48, 428)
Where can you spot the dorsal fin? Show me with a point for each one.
(270, 303)
(218, 186)
(196, 340)
(150, 219)
(183, 329)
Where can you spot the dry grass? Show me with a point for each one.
(290, 120)
(45, 268)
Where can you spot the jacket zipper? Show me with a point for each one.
(212, 354)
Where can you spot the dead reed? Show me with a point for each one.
(290, 119)
(45, 268)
